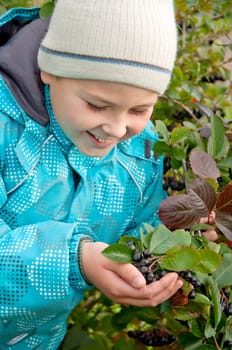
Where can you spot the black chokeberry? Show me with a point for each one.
(137, 257)
(228, 310)
(193, 279)
(226, 292)
(228, 343)
(174, 184)
(146, 253)
(187, 276)
(150, 277)
(223, 305)
(152, 337)
(143, 269)
(162, 273)
(131, 245)
(197, 284)
(167, 164)
(144, 262)
(192, 295)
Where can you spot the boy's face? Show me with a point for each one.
(97, 115)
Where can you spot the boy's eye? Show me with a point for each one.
(137, 112)
(95, 108)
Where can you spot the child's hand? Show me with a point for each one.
(123, 283)
(210, 234)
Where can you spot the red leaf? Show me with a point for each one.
(224, 202)
(224, 223)
(203, 165)
(203, 197)
(177, 212)
(179, 298)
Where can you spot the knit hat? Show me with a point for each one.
(126, 41)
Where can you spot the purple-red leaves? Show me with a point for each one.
(203, 196)
(177, 212)
(203, 165)
(224, 211)
(185, 210)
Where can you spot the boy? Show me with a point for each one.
(76, 162)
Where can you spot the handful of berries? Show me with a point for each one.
(148, 264)
(199, 315)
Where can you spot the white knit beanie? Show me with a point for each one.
(125, 41)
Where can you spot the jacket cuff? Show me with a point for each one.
(76, 277)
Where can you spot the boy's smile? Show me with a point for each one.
(96, 115)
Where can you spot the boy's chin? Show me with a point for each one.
(94, 152)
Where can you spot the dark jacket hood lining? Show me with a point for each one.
(19, 68)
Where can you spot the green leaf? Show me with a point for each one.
(178, 74)
(179, 134)
(201, 299)
(183, 314)
(209, 330)
(146, 232)
(159, 242)
(196, 328)
(180, 258)
(176, 164)
(223, 275)
(161, 148)
(162, 129)
(182, 237)
(75, 337)
(226, 163)
(2, 10)
(148, 228)
(125, 239)
(163, 239)
(177, 152)
(46, 10)
(214, 247)
(217, 136)
(206, 347)
(198, 227)
(209, 261)
(118, 252)
(189, 125)
(215, 297)
(224, 151)
(147, 314)
(189, 342)
(122, 318)
(228, 329)
(122, 343)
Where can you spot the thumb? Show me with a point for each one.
(131, 275)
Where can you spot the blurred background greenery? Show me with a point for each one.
(200, 90)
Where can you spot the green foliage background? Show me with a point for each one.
(194, 113)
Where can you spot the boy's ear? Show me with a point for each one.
(46, 77)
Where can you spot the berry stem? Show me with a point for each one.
(216, 343)
(154, 261)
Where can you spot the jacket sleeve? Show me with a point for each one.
(39, 261)
(147, 209)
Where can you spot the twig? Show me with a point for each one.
(181, 104)
(216, 343)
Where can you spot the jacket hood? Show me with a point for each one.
(19, 43)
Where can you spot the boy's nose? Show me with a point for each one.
(116, 128)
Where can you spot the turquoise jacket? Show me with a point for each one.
(51, 196)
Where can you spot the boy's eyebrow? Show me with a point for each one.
(102, 99)
(95, 97)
